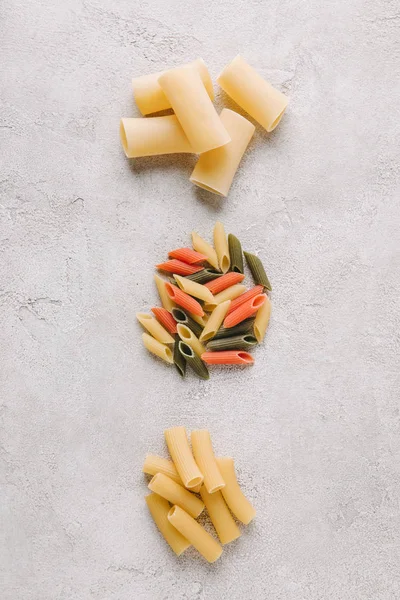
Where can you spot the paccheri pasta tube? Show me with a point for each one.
(216, 169)
(149, 137)
(159, 509)
(253, 93)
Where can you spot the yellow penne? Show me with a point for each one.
(262, 320)
(195, 534)
(165, 299)
(190, 339)
(229, 294)
(159, 509)
(200, 320)
(157, 348)
(205, 248)
(176, 494)
(154, 464)
(233, 495)
(215, 321)
(220, 516)
(155, 328)
(194, 289)
(182, 456)
(221, 247)
(205, 459)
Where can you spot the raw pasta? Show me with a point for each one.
(221, 518)
(233, 495)
(262, 320)
(215, 321)
(239, 329)
(236, 254)
(182, 317)
(221, 283)
(165, 318)
(195, 534)
(187, 255)
(236, 342)
(228, 357)
(252, 293)
(204, 247)
(182, 456)
(194, 289)
(205, 459)
(165, 299)
(179, 359)
(157, 348)
(155, 328)
(257, 270)
(221, 247)
(176, 494)
(178, 267)
(194, 360)
(154, 464)
(229, 294)
(184, 300)
(190, 339)
(244, 311)
(159, 509)
(204, 276)
(149, 137)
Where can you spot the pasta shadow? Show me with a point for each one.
(162, 162)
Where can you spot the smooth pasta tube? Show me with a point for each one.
(228, 357)
(229, 294)
(239, 329)
(194, 289)
(204, 457)
(178, 267)
(149, 137)
(245, 310)
(194, 109)
(195, 534)
(257, 270)
(204, 247)
(236, 254)
(149, 96)
(155, 328)
(236, 342)
(179, 359)
(262, 320)
(252, 293)
(204, 276)
(215, 321)
(176, 494)
(162, 292)
(187, 255)
(182, 317)
(221, 283)
(159, 509)
(190, 339)
(216, 169)
(165, 318)
(194, 360)
(184, 300)
(221, 247)
(233, 495)
(154, 464)
(182, 456)
(253, 93)
(221, 518)
(157, 348)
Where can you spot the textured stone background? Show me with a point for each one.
(315, 425)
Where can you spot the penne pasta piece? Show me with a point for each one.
(233, 495)
(252, 293)
(195, 534)
(157, 348)
(221, 247)
(215, 321)
(221, 518)
(159, 509)
(182, 317)
(229, 294)
(199, 320)
(150, 137)
(155, 328)
(178, 267)
(216, 169)
(149, 96)
(253, 93)
(187, 255)
(182, 456)
(194, 109)
(257, 270)
(184, 300)
(165, 318)
(204, 457)
(236, 342)
(162, 292)
(194, 360)
(236, 254)
(204, 247)
(228, 357)
(176, 494)
(194, 289)
(190, 339)
(204, 276)
(262, 320)
(245, 310)
(179, 359)
(154, 464)
(239, 329)
(227, 280)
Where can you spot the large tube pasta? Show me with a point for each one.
(216, 169)
(159, 509)
(194, 289)
(194, 109)
(233, 495)
(195, 534)
(176, 494)
(215, 321)
(204, 247)
(221, 246)
(149, 96)
(149, 137)
(182, 456)
(190, 339)
(154, 464)
(262, 320)
(157, 348)
(166, 301)
(204, 457)
(155, 328)
(221, 518)
(253, 93)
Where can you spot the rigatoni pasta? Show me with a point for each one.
(176, 494)
(191, 530)
(159, 509)
(154, 464)
(182, 456)
(233, 495)
(221, 518)
(205, 459)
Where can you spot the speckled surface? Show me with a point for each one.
(315, 424)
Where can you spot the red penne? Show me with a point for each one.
(221, 283)
(187, 255)
(184, 300)
(244, 311)
(178, 267)
(258, 289)
(165, 318)
(227, 357)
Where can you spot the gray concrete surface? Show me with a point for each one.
(315, 425)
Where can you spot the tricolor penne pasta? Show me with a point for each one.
(262, 320)
(155, 328)
(204, 247)
(194, 289)
(236, 342)
(221, 247)
(257, 270)
(178, 267)
(193, 360)
(257, 289)
(204, 276)
(187, 255)
(229, 294)
(190, 339)
(165, 318)
(225, 281)
(165, 299)
(228, 357)
(235, 253)
(244, 311)
(239, 329)
(215, 321)
(157, 348)
(184, 300)
(183, 317)
(179, 359)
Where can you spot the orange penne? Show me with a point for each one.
(244, 311)
(221, 283)
(165, 318)
(258, 289)
(187, 255)
(184, 300)
(228, 357)
(178, 267)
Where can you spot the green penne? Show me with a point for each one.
(235, 253)
(204, 276)
(239, 329)
(257, 270)
(236, 342)
(194, 361)
(179, 359)
(182, 317)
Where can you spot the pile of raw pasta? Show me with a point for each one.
(174, 482)
(195, 127)
(208, 316)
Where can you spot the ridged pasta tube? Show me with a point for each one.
(195, 534)
(159, 509)
(204, 457)
(182, 456)
(233, 495)
(176, 494)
